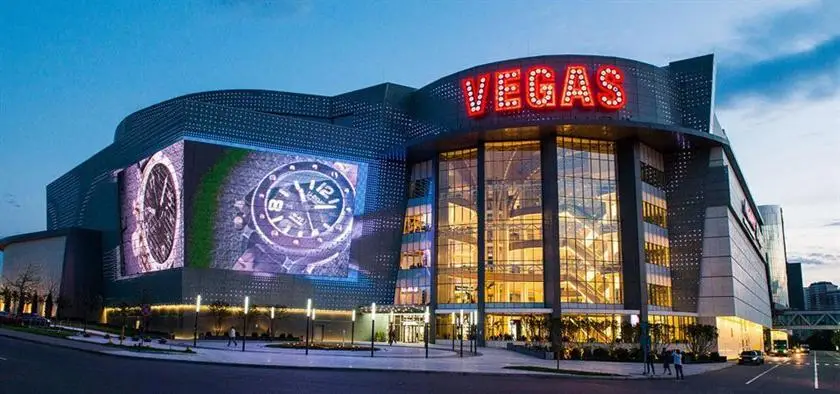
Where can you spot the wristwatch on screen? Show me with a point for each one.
(156, 212)
(299, 218)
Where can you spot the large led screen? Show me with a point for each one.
(273, 213)
(152, 206)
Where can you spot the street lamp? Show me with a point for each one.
(308, 313)
(271, 326)
(461, 330)
(313, 326)
(474, 331)
(372, 326)
(426, 330)
(245, 322)
(454, 329)
(353, 328)
(195, 328)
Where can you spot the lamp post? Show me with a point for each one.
(372, 326)
(426, 331)
(271, 326)
(474, 331)
(195, 327)
(353, 328)
(454, 329)
(245, 322)
(308, 313)
(461, 330)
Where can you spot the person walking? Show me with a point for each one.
(678, 365)
(666, 361)
(649, 364)
(232, 336)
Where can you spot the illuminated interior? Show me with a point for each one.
(590, 257)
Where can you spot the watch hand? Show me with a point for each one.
(323, 206)
(311, 227)
(163, 194)
(300, 192)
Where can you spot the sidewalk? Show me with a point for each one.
(391, 358)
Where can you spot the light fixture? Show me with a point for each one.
(308, 306)
(246, 304)
(426, 316)
(373, 311)
(198, 303)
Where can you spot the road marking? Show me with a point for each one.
(3, 359)
(762, 374)
(816, 374)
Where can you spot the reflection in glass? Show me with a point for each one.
(590, 258)
(457, 252)
(513, 223)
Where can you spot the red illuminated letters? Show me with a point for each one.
(508, 92)
(538, 88)
(541, 88)
(475, 94)
(611, 95)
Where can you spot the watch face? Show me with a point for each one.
(304, 208)
(159, 211)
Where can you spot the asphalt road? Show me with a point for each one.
(27, 367)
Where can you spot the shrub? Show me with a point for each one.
(208, 334)
(576, 354)
(135, 338)
(86, 335)
(601, 354)
(621, 354)
(147, 339)
(107, 336)
(162, 341)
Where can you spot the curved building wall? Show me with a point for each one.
(606, 214)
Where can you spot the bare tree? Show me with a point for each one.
(25, 283)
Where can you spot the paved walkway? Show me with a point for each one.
(402, 358)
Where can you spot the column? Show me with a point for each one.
(480, 205)
(550, 223)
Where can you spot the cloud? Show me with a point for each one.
(814, 73)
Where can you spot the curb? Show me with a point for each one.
(113, 353)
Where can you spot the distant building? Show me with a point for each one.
(796, 293)
(822, 296)
(773, 230)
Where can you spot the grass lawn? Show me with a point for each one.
(555, 370)
(50, 332)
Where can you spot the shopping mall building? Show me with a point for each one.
(596, 189)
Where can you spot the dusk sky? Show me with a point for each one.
(70, 71)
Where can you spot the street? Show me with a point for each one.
(27, 367)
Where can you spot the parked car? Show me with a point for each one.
(32, 319)
(9, 319)
(753, 357)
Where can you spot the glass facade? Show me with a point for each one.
(590, 258)
(414, 276)
(513, 224)
(774, 241)
(457, 239)
(655, 218)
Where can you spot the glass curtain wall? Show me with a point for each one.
(590, 257)
(414, 277)
(457, 251)
(513, 225)
(655, 217)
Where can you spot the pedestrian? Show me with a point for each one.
(678, 364)
(232, 336)
(649, 363)
(666, 361)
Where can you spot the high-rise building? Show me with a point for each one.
(773, 230)
(823, 296)
(796, 293)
